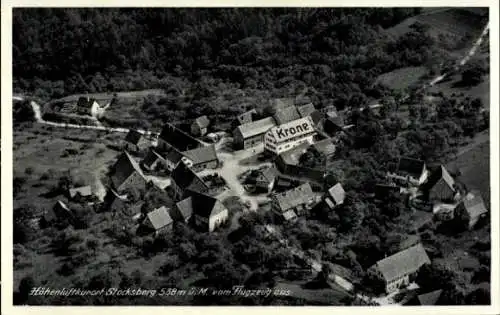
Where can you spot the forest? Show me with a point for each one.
(338, 52)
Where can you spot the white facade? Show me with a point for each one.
(287, 136)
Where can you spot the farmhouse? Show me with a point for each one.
(335, 196)
(183, 210)
(183, 178)
(86, 106)
(252, 134)
(158, 221)
(280, 103)
(80, 193)
(201, 158)
(287, 114)
(294, 202)
(172, 136)
(208, 213)
(441, 186)
(289, 135)
(471, 209)
(397, 269)
(134, 141)
(199, 127)
(265, 179)
(126, 174)
(410, 170)
(120, 204)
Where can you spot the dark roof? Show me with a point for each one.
(124, 167)
(204, 205)
(202, 155)
(402, 263)
(133, 136)
(474, 204)
(246, 117)
(325, 146)
(269, 174)
(438, 174)
(150, 157)
(159, 218)
(292, 198)
(185, 207)
(84, 191)
(202, 121)
(173, 155)
(411, 166)
(178, 138)
(256, 127)
(286, 114)
(306, 110)
(317, 116)
(185, 178)
(430, 298)
(61, 209)
(335, 120)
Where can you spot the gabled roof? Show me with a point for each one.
(286, 114)
(185, 207)
(269, 174)
(151, 157)
(304, 126)
(256, 127)
(306, 110)
(185, 178)
(402, 263)
(289, 215)
(133, 136)
(60, 208)
(201, 155)
(411, 166)
(206, 206)
(84, 191)
(292, 198)
(337, 193)
(280, 103)
(159, 218)
(430, 298)
(325, 146)
(124, 167)
(317, 116)
(335, 120)
(178, 138)
(202, 121)
(474, 204)
(441, 173)
(173, 155)
(246, 117)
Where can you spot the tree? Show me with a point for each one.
(479, 296)
(473, 74)
(433, 277)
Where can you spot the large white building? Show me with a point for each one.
(289, 135)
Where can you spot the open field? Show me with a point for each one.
(401, 78)
(450, 87)
(109, 96)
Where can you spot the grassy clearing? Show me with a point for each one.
(451, 87)
(402, 78)
(109, 96)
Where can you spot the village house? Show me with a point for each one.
(325, 148)
(208, 213)
(184, 178)
(246, 117)
(158, 221)
(83, 193)
(306, 110)
(410, 171)
(265, 180)
(441, 186)
(289, 135)
(171, 136)
(126, 174)
(334, 123)
(201, 158)
(282, 183)
(199, 127)
(295, 202)
(153, 161)
(429, 298)
(134, 142)
(86, 106)
(397, 270)
(335, 196)
(252, 134)
(471, 209)
(183, 210)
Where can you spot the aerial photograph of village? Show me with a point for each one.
(251, 156)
